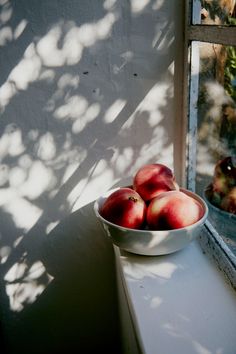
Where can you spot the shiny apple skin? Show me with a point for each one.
(153, 179)
(224, 180)
(229, 201)
(173, 210)
(124, 207)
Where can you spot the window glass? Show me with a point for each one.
(216, 135)
(214, 12)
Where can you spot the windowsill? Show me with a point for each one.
(179, 303)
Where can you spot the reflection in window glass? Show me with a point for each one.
(214, 12)
(216, 138)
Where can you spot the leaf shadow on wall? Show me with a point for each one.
(40, 110)
(67, 316)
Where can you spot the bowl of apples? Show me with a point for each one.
(153, 216)
(220, 196)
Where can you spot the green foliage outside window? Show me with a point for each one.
(230, 67)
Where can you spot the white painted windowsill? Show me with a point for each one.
(178, 303)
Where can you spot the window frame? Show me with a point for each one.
(210, 241)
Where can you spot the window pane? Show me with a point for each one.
(216, 136)
(214, 12)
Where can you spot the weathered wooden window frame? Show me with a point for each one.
(211, 242)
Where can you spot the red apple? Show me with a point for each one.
(222, 191)
(153, 179)
(173, 210)
(124, 207)
(224, 178)
(229, 202)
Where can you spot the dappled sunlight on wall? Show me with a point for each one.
(46, 53)
(24, 284)
(86, 98)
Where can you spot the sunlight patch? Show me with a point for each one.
(158, 4)
(11, 142)
(68, 80)
(24, 214)
(156, 302)
(35, 271)
(47, 75)
(4, 253)
(27, 70)
(113, 111)
(74, 107)
(25, 161)
(17, 176)
(89, 188)
(71, 168)
(200, 349)
(5, 35)
(72, 48)
(108, 4)
(4, 2)
(51, 226)
(104, 26)
(47, 48)
(40, 179)
(138, 6)
(46, 147)
(155, 118)
(6, 13)
(161, 272)
(24, 284)
(123, 160)
(92, 111)
(4, 174)
(7, 91)
(17, 271)
(20, 28)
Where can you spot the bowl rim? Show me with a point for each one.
(139, 231)
(214, 207)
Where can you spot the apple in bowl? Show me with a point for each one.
(153, 179)
(124, 207)
(173, 210)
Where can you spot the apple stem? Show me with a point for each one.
(133, 199)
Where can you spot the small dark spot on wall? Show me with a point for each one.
(85, 72)
(135, 74)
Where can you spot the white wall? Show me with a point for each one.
(89, 91)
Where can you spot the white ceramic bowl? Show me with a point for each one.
(223, 221)
(147, 242)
